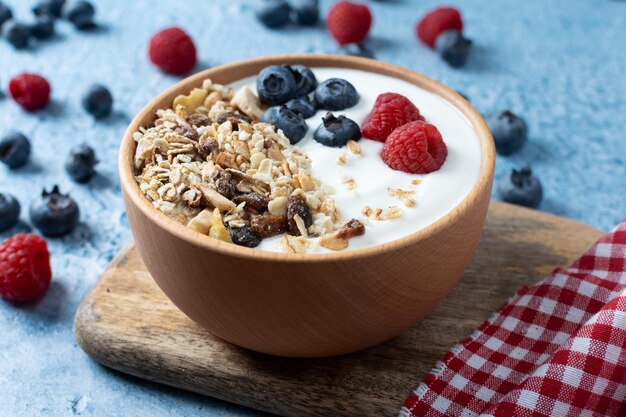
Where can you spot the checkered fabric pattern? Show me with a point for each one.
(557, 348)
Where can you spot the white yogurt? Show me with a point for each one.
(438, 193)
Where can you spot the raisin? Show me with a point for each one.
(187, 132)
(351, 229)
(244, 236)
(198, 119)
(268, 225)
(254, 201)
(296, 205)
(225, 185)
(149, 125)
(234, 118)
(206, 147)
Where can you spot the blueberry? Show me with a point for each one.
(306, 12)
(17, 34)
(275, 85)
(336, 131)
(5, 13)
(305, 79)
(98, 101)
(50, 8)
(336, 94)
(273, 13)
(244, 236)
(521, 187)
(453, 47)
(14, 150)
(79, 13)
(509, 131)
(9, 211)
(292, 124)
(43, 28)
(54, 214)
(80, 163)
(303, 106)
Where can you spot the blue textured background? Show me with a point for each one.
(560, 64)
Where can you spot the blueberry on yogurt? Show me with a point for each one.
(276, 85)
(336, 131)
(336, 94)
(291, 123)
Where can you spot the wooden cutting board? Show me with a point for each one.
(128, 324)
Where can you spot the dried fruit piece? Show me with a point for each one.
(206, 146)
(187, 132)
(234, 118)
(198, 119)
(353, 228)
(244, 236)
(218, 230)
(225, 185)
(339, 241)
(255, 202)
(268, 225)
(202, 222)
(296, 206)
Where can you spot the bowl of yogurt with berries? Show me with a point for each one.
(307, 205)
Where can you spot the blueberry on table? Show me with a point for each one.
(5, 13)
(292, 124)
(521, 187)
(336, 131)
(305, 79)
(80, 163)
(509, 132)
(79, 13)
(275, 85)
(336, 94)
(273, 13)
(98, 101)
(14, 150)
(244, 236)
(306, 12)
(54, 214)
(50, 8)
(303, 106)
(9, 211)
(453, 47)
(17, 34)
(43, 28)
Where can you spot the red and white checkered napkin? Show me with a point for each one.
(557, 348)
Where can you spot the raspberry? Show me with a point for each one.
(349, 22)
(24, 268)
(416, 147)
(437, 21)
(390, 111)
(173, 51)
(31, 91)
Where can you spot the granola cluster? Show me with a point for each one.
(210, 164)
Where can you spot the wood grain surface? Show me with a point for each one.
(128, 324)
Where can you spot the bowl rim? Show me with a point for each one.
(252, 66)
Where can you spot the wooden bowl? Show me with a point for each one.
(306, 305)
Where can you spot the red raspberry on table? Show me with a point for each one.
(349, 22)
(438, 21)
(416, 147)
(391, 110)
(31, 91)
(24, 268)
(173, 51)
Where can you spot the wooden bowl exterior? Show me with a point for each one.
(306, 305)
